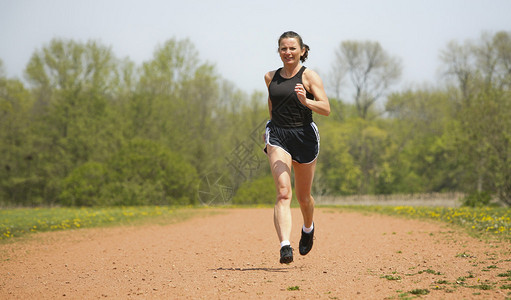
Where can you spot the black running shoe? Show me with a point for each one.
(306, 242)
(286, 255)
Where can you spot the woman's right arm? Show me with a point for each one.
(269, 106)
(267, 78)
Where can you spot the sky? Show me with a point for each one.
(240, 37)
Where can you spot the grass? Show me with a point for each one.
(442, 281)
(21, 221)
(464, 255)
(429, 271)
(391, 277)
(483, 286)
(419, 292)
(507, 274)
(494, 221)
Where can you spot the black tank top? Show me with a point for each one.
(286, 110)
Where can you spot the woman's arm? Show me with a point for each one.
(313, 83)
(267, 78)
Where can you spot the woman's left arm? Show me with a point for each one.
(313, 83)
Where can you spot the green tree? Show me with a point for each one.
(369, 143)
(370, 69)
(158, 92)
(482, 72)
(18, 180)
(337, 166)
(424, 158)
(73, 85)
(177, 101)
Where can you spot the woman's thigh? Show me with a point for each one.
(280, 164)
(304, 175)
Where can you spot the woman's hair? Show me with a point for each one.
(292, 34)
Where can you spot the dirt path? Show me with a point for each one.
(235, 255)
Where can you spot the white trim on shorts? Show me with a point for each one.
(267, 142)
(316, 130)
(267, 137)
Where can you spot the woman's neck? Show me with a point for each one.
(290, 71)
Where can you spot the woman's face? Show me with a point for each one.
(290, 51)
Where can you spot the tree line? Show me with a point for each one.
(88, 128)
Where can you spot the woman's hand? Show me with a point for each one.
(301, 93)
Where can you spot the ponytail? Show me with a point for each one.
(305, 53)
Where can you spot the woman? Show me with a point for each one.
(292, 138)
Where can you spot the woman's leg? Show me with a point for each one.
(280, 164)
(304, 175)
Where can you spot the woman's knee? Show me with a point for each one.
(305, 199)
(284, 194)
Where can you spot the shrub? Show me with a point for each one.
(257, 191)
(145, 172)
(477, 199)
(84, 185)
(142, 173)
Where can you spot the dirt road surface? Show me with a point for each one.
(235, 255)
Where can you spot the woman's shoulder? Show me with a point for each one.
(307, 72)
(311, 75)
(269, 76)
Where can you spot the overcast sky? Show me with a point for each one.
(240, 37)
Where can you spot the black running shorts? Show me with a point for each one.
(301, 143)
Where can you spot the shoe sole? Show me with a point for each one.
(306, 251)
(286, 260)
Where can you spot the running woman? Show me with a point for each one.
(292, 138)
